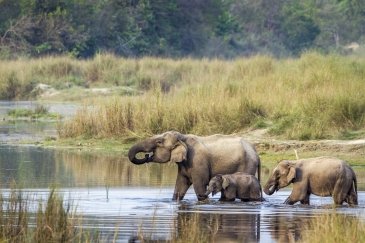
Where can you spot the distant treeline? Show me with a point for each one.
(178, 28)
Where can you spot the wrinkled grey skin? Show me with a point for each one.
(322, 176)
(198, 158)
(238, 185)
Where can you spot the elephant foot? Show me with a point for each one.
(177, 197)
(227, 199)
(289, 201)
(202, 197)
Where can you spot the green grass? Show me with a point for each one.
(39, 112)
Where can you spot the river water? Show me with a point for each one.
(122, 201)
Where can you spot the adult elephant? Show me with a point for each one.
(198, 158)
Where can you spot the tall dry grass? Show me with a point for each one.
(312, 97)
(333, 227)
(54, 221)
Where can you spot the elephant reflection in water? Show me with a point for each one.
(286, 229)
(114, 170)
(220, 227)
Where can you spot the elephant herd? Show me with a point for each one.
(228, 164)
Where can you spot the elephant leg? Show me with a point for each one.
(200, 186)
(299, 193)
(351, 198)
(289, 201)
(223, 197)
(181, 187)
(305, 201)
(226, 199)
(340, 191)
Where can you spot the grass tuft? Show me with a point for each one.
(334, 227)
(40, 111)
(54, 221)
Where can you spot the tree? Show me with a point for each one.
(297, 28)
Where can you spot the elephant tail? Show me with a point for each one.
(261, 197)
(354, 180)
(259, 171)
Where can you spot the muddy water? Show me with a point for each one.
(122, 201)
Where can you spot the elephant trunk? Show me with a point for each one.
(270, 188)
(134, 150)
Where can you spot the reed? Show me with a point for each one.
(54, 221)
(313, 97)
(13, 218)
(334, 227)
(191, 228)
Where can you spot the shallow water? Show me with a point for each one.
(121, 200)
(64, 109)
(30, 130)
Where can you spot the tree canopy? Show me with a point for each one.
(178, 28)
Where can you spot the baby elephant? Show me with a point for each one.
(323, 176)
(238, 185)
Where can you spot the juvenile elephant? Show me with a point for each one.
(198, 158)
(322, 176)
(238, 185)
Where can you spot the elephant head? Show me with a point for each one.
(216, 184)
(160, 148)
(283, 174)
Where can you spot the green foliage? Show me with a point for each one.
(83, 28)
(298, 28)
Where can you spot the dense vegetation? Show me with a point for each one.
(54, 221)
(330, 228)
(209, 28)
(313, 97)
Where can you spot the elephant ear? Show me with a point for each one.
(225, 183)
(291, 175)
(179, 152)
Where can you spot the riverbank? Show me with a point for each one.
(44, 133)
